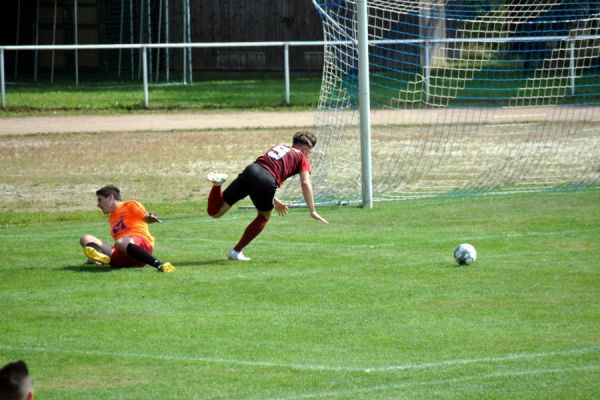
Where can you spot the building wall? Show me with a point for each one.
(126, 21)
(257, 20)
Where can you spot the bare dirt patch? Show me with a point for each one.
(62, 171)
(163, 158)
(56, 163)
(155, 122)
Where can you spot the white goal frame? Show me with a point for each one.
(359, 39)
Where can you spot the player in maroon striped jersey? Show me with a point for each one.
(260, 181)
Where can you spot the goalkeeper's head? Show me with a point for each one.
(305, 138)
(109, 198)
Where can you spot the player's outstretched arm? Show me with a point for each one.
(307, 193)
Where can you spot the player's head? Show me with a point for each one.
(108, 191)
(108, 197)
(304, 139)
(15, 382)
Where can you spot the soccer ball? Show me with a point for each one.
(465, 254)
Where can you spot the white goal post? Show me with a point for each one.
(465, 96)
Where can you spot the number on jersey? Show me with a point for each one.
(278, 152)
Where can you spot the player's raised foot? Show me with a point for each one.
(166, 267)
(216, 178)
(96, 256)
(237, 255)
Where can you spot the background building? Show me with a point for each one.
(27, 22)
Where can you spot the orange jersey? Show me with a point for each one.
(128, 220)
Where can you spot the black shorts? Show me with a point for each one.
(256, 182)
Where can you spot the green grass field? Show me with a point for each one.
(248, 91)
(371, 306)
(212, 91)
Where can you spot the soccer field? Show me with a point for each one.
(371, 306)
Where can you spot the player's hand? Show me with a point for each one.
(150, 218)
(315, 215)
(281, 207)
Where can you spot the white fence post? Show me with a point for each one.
(286, 67)
(145, 74)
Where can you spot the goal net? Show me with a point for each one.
(467, 95)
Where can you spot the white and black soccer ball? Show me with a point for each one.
(465, 254)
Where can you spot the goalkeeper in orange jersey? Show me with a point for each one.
(129, 221)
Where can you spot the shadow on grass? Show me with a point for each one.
(197, 263)
(98, 268)
(455, 266)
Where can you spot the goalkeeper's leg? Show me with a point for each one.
(95, 250)
(127, 246)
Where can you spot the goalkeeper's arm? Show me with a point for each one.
(307, 193)
(151, 218)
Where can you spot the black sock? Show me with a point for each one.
(139, 254)
(95, 246)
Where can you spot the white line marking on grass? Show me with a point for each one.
(509, 374)
(311, 367)
(172, 357)
(508, 357)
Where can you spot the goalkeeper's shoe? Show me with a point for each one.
(94, 255)
(216, 178)
(166, 267)
(237, 255)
